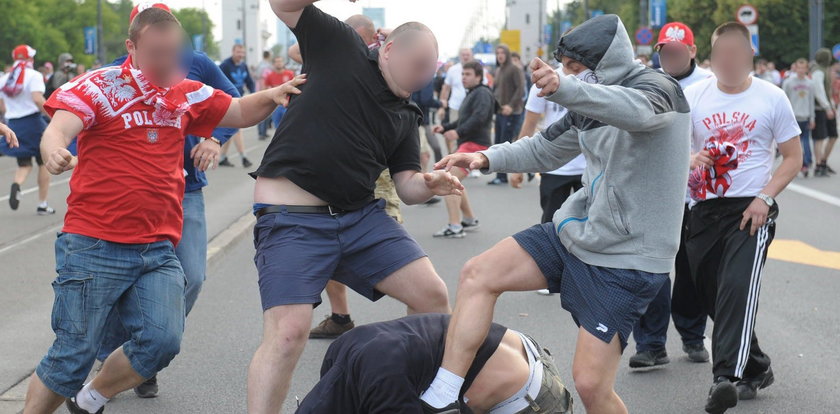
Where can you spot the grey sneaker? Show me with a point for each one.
(648, 359)
(696, 352)
(148, 389)
(448, 233)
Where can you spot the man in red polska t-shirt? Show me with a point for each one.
(124, 215)
(276, 77)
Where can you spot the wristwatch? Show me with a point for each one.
(767, 199)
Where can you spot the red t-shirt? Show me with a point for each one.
(273, 78)
(129, 182)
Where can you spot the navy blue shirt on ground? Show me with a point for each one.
(203, 70)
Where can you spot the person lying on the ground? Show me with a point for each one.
(382, 368)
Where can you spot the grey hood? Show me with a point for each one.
(601, 44)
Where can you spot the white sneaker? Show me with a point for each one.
(475, 174)
(544, 292)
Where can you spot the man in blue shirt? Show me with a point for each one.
(192, 249)
(237, 71)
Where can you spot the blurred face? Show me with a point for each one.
(501, 56)
(279, 63)
(675, 58)
(238, 54)
(409, 65)
(157, 53)
(731, 59)
(470, 79)
(571, 66)
(465, 55)
(801, 69)
(516, 60)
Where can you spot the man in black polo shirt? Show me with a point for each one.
(317, 217)
(383, 367)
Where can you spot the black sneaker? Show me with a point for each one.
(148, 389)
(263, 137)
(75, 409)
(45, 211)
(246, 163)
(225, 162)
(470, 226)
(820, 171)
(696, 352)
(432, 201)
(14, 196)
(448, 233)
(748, 387)
(722, 396)
(647, 359)
(453, 408)
(829, 169)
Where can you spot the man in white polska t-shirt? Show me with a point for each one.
(738, 122)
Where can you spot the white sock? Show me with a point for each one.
(456, 228)
(89, 399)
(443, 390)
(43, 204)
(469, 220)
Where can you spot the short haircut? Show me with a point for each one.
(476, 67)
(515, 55)
(266, 54)
(237, 46)
(360, 21)
(731, 27)
(801, 61)
(410, 31)
(151, 17)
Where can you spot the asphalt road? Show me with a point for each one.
(797, 322)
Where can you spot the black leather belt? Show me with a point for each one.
(333, 211)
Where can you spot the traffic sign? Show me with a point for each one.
(753, 28)
(644, 36)
(747, 14)
(657, 13)
(836, 51)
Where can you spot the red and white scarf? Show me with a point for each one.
(14, 83)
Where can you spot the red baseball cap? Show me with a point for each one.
(675, 32)
(146, 5)
(23, 52)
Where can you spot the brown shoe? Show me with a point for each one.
(329, 329)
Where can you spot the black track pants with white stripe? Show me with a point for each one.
(726, 265)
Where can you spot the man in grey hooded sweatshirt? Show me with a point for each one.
(612, 244)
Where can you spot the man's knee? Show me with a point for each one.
(591, 385)
(474, 278)
(286, 334)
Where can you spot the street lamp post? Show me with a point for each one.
(100, 51)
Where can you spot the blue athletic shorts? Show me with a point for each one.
(297, 253)
(604, 301)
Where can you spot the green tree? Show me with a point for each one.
(196, 21)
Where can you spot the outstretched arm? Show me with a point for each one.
(252, 109)
(414, 187)
(640, 108)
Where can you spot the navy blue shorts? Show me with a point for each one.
(29, 130)
(602, 300)
(298, 253)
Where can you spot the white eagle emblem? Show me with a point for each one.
(152, 135)
(675, 33)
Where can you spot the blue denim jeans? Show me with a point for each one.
(506, 128)
(262, 127)
(143, 285)
(805, 139)
(277, 116)
(191, 252)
